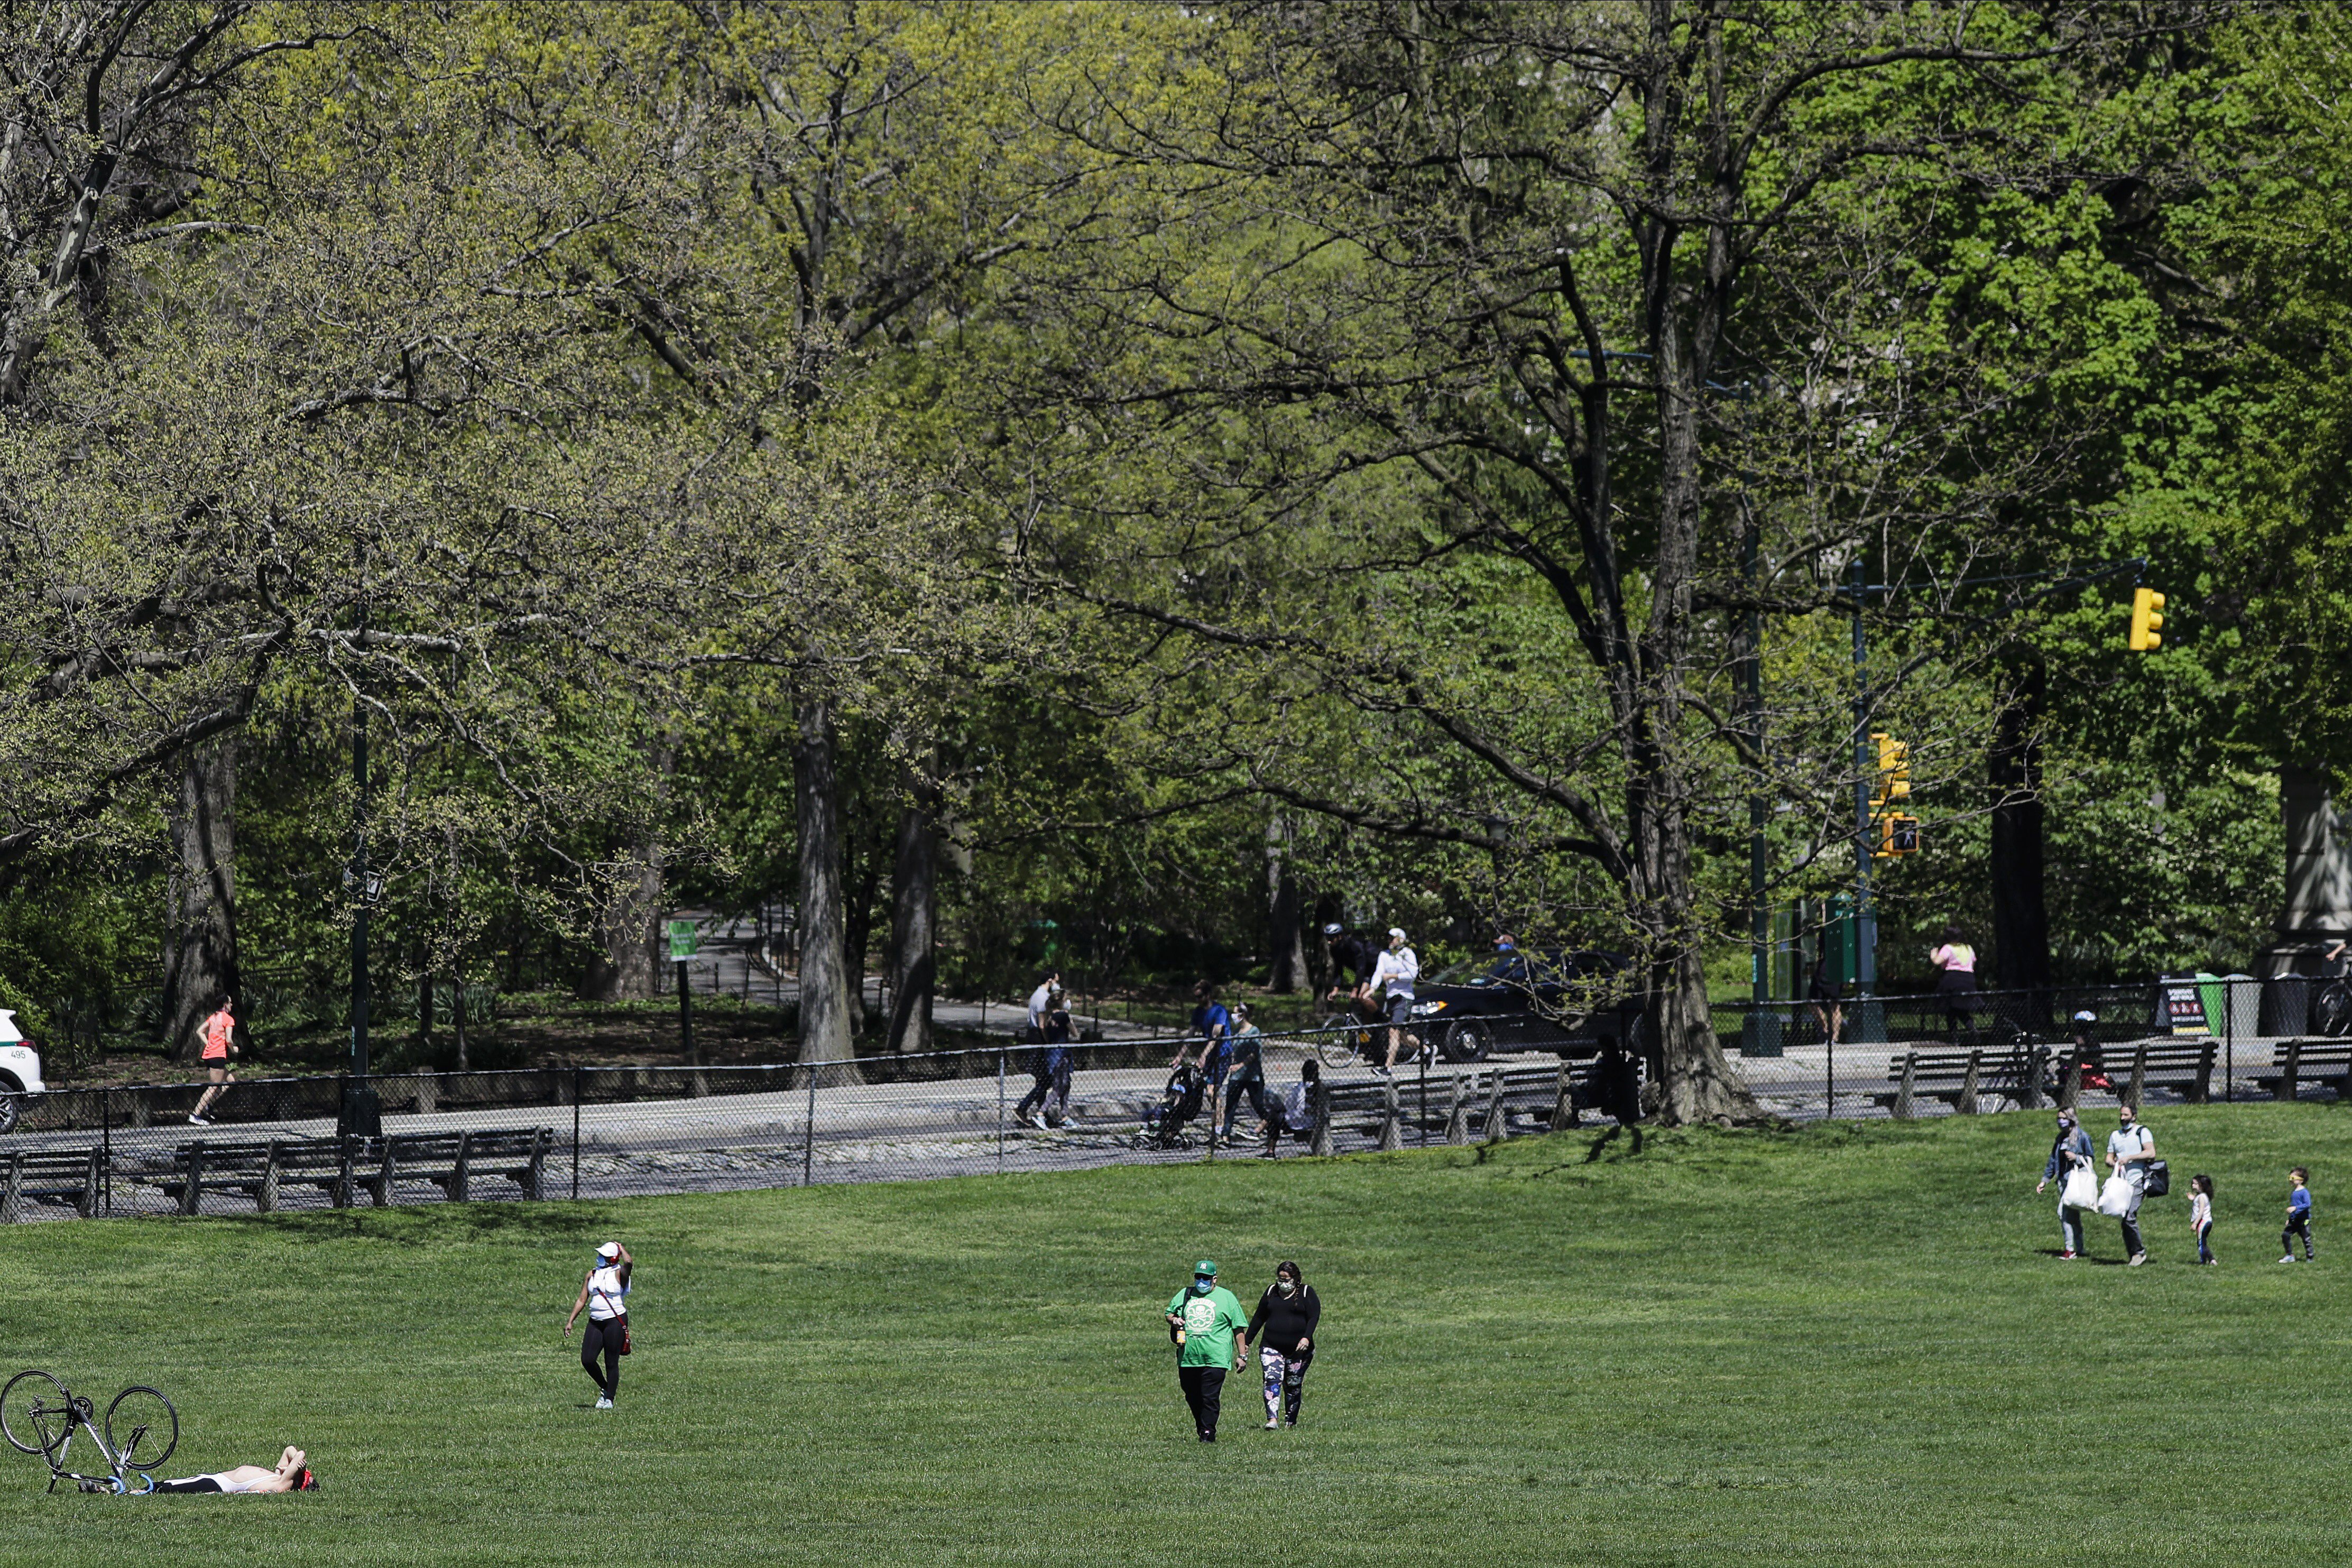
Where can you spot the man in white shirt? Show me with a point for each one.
(1295, 1112)
(1041, 1002)
(2131, 1147)
(1397, 970)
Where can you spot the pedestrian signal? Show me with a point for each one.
(2147, 620)
(1899, 834)
(1893, 770)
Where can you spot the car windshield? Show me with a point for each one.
(1499, 969)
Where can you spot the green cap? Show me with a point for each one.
(1205, 1266)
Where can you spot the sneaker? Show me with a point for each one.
(1273, 1426)
(603, 1403)
(1038, 1121)
(2212, 1263)
(2138, 1259)
(196, 1120)
(1383, 1072)
(2288, 1259)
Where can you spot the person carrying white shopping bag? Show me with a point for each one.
(2078, 1184)
(2131, 1156)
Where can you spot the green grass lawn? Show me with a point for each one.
(1846, 1344)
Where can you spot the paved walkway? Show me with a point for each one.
(645, 1131)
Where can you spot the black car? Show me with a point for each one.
(1572, 1003)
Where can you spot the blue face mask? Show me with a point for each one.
(1202, 1287)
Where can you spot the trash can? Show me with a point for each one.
(2245, 1014)
(2286, 1007)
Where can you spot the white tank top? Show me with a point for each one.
(607, 1297)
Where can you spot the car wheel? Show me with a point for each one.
(1468, 1041)
(9, 1101)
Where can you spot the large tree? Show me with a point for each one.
(1527, 328)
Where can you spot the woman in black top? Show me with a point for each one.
(1282, 1327)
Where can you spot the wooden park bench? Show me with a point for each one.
(50, 1175)
(1959, 1078)
(2186, 1066)
(261, 1170)
(455, 1161)
(1485, 1097)
(2295, 1063)
(344, 1167)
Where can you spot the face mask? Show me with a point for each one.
(1287, 1287)
(1202, 1287)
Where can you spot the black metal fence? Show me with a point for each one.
(610, 1131)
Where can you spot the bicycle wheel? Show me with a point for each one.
(35, 1405)
(142, 1428)
(2331, 1010)
(1337, 1037)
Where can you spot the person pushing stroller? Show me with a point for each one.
(1179, 1103)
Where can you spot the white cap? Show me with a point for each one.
(1396, 933)
(610, 1249)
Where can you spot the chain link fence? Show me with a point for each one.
(594, 1133)
(613, 1132)
(2223, 1038)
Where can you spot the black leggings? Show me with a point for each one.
(606, 1336)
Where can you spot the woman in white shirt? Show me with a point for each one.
(605, 1296)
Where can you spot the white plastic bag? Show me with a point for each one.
(2116, 1197)
(2081, 1189)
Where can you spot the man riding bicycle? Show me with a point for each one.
(1352, 956)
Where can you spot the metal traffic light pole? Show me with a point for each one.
(1865, 769)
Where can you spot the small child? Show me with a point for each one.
(2298, 1215)
(2200, 1215)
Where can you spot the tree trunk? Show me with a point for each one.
(200, 961)
(630, 933)
(857, 930)
(630, 929)
(1286, 924)
(2021, 921)
(914, 892)
(823, 978)
(1697, 1080)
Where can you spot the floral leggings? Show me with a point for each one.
(1286, 1381)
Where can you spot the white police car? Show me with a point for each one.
(20, 1070)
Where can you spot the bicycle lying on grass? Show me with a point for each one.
(38, 1414)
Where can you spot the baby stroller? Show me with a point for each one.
(1179, 1103)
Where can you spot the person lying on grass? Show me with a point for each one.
(292, 1475)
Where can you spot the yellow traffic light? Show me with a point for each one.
(1894, 769)
(2147, 620)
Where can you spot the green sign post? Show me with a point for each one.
(682, 944)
